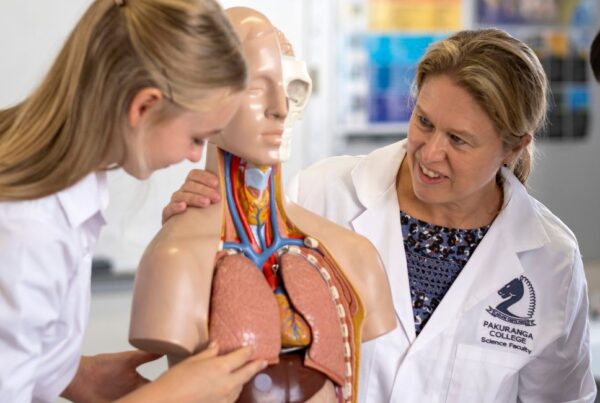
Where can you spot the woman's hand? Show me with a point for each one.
(107, 377)
(200, 189)
(204, 377)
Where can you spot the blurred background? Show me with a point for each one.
(361, 56)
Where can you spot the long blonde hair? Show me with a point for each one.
(65, 129)
(503, 75)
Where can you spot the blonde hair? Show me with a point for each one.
(65, 129)
(503, 75)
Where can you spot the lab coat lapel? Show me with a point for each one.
(494, 263)
(385, 232)
(380, 223)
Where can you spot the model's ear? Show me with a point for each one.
(142, 102)
(516, 150)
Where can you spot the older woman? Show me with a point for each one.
(488, 285)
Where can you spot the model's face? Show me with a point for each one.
(298, 87)
(255, 132)
(453, 149)
(179, 137)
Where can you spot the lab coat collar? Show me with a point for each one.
(376, 190)
(84, 199)
(369, 188)
(519, 217)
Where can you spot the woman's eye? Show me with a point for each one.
(423, 121)
(456, 140)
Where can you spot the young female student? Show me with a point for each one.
(138, 85)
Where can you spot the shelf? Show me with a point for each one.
(373, 129)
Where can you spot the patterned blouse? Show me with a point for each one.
(435, 256)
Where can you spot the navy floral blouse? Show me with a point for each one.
(435, 256)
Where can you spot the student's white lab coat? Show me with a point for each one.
(470, 350)
(45, 260)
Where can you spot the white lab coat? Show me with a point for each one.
(45, 260)
(465, 353)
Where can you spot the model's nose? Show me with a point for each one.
(277, 104)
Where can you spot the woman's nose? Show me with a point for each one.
(434, 148)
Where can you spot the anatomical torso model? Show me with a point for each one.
(256, 269)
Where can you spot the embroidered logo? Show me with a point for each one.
(512, 293)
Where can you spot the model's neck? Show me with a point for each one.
(252, 186)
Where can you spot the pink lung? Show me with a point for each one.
(310, 296)
(244, 311)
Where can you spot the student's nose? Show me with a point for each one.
(195, 153)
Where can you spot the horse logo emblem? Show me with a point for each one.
(512, 309)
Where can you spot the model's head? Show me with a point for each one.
(505, 79)
(128, 71)
(595, 56)
(255, 132)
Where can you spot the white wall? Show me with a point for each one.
(33, 32)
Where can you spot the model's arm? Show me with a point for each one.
(374, 288)
(171, 296)
(563, 368)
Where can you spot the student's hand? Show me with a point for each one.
(107, 377)
(204, 377)
(200, 189)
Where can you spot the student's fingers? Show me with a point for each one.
(236, 358)
(191, 199)
(203, 177)
(209, 352)
(173, 208)
(246, 372)
(195, 188)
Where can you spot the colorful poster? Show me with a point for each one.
(554, 12)
(415, 15)
(560, 32)
(391, 70)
